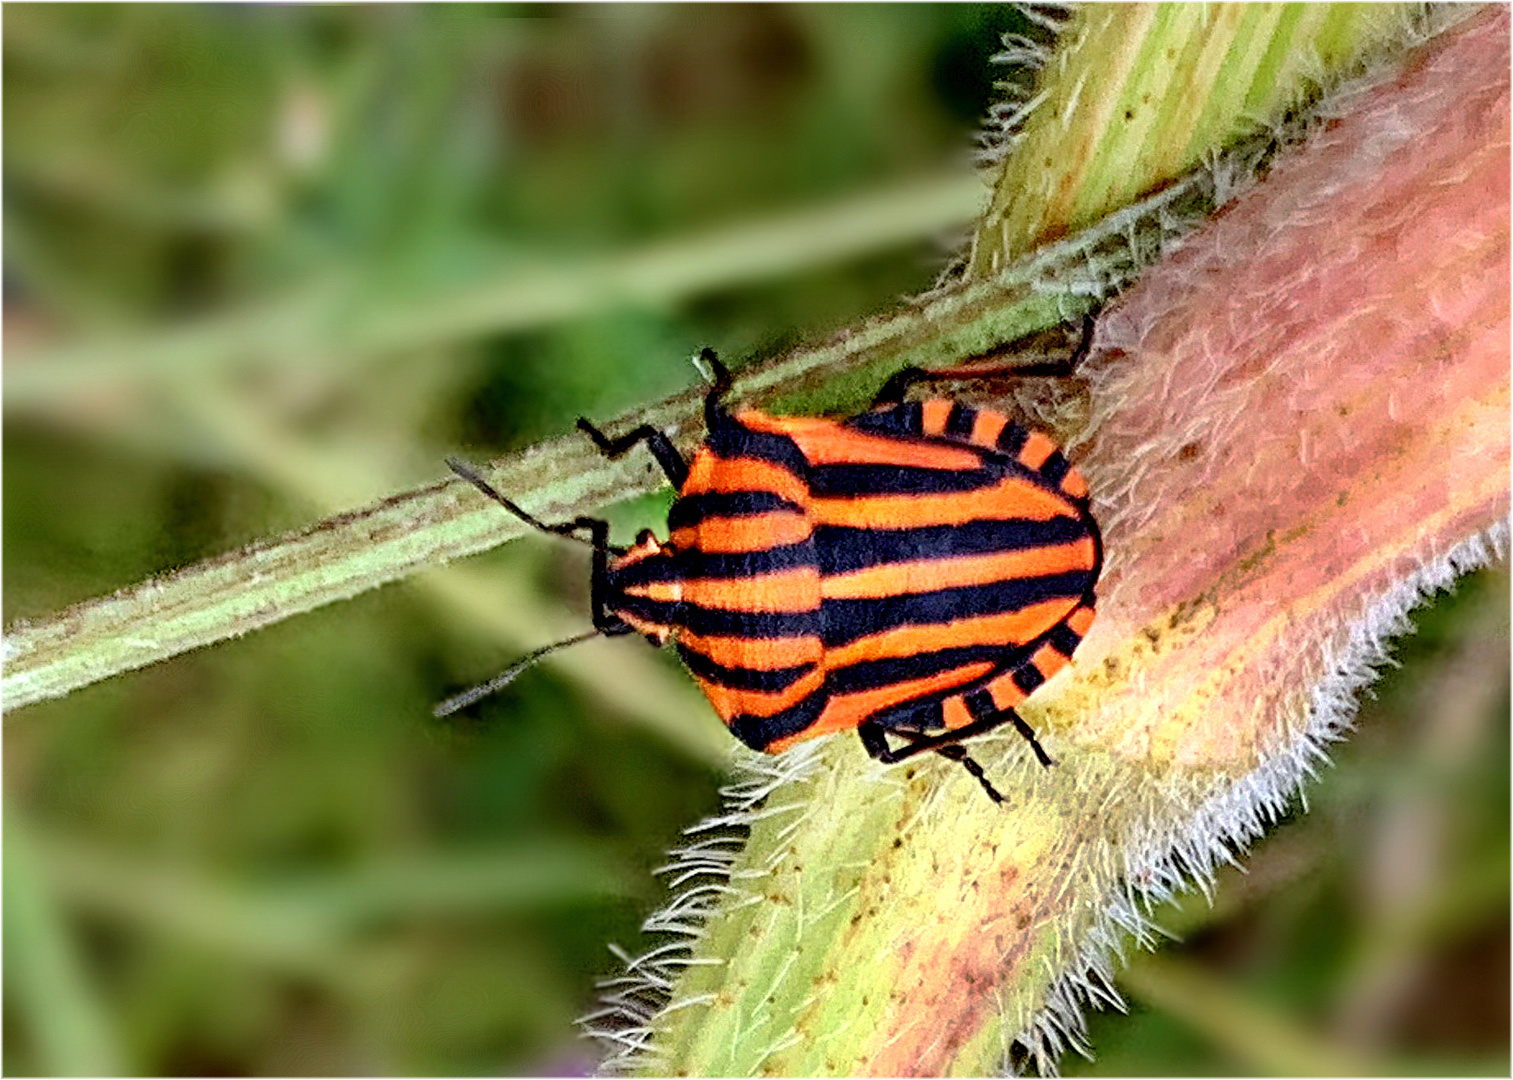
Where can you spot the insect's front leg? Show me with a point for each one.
(657, 442)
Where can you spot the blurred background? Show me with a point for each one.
(264, 264)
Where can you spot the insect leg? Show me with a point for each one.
(918, 743)
(605, 621)
(659, 444)
(714, 412)
(898, 384)
(957, 752)
(948, 746)
(984, 723)
(598, 530)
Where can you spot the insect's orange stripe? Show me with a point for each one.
(794, 427)
(933, 416)
(728, 702)
(1074, 485)
(840, 446)
(760, 654)
(849, 710)
(723, 536)
(1009, 628)
(667, 592)
(714, 474)
(1005, 692)
(1080, 620)
(643, 626)
(956, 713)
(987, 427)
(787, 590)
(896, 579)
(1036, 449)
(1048, 660)
(1012, 498)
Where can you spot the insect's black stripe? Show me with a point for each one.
(1012, 438)
(644, 572)
(1064, 639)
(693, 563)
(1055, 467)
(961, 420)
(770, 681)
(690, 564)
(760, 732)
(980, 704)
(920, 714)
(905, 419)
(872, 674)
(1028, 677)
(908, 420)
(842, 548)
(721, 622)
(848, 620)
(661, 612)
(737, 441)
(692, 509)
(840, 481)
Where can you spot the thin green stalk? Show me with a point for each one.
(558, 480)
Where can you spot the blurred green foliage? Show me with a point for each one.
(265, 857)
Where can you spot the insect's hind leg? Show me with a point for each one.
(957, 752)
(947, 746)
(872, 735)
(898, 384)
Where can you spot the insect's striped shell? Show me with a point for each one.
(922, 566)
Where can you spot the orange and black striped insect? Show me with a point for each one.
(913, 572)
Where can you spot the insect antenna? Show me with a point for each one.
(505, 677)
(568, 529)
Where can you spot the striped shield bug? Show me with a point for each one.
(913, 572)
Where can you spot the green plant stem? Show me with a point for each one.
(499, 605)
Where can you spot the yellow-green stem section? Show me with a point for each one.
(1137, 94)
